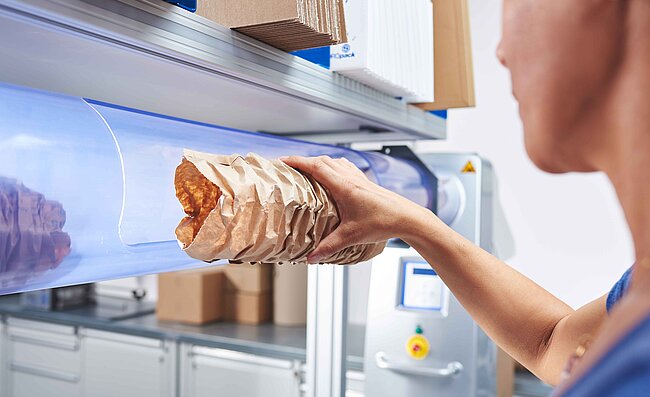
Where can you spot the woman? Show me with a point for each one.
(581, 74)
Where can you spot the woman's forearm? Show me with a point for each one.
(525, 320)
(519, 315)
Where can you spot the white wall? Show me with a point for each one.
(569, 230)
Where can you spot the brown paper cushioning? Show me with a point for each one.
(250, 209)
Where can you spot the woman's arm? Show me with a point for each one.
(528, 322)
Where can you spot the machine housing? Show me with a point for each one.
(408, 301)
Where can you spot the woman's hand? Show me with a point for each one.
(368, 212)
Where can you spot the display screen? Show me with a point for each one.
(422, 288)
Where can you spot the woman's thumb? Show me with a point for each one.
(330, 245)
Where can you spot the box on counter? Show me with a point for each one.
(290, 295)
(247, 308)
(249, 278)
(191, 296)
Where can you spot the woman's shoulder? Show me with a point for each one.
(621, 372)
(617, 364)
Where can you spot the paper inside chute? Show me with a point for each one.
(264, 211)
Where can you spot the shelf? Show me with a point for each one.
(157, 57)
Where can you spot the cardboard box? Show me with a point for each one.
(192, 296)
(248, 278)
(245, 308)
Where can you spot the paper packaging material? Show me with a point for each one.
(285, 24)
(454, 72)
(290, 295)
(245, 308)
(192, 296)
(265, 211)
(390, 47)
(248, 278)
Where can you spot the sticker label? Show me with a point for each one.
(468, 168)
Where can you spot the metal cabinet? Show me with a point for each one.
(124, 365)
(3, 359)
(217, 372)
(355, 381)
(41, 359)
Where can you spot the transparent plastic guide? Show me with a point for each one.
(87, 194)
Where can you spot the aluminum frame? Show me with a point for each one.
(327, 318)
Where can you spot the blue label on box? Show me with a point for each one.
(189, 5)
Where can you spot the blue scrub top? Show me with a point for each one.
(625, 370)
(619, 289)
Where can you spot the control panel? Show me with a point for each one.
(421, 287)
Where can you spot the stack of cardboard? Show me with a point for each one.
(454, 72)
(285, 24)
(248, 293)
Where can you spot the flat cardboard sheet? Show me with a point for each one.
(235, 14)
(453, 68)
(268, 212)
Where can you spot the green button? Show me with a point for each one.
(418, 330)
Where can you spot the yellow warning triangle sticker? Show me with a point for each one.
(468, 168)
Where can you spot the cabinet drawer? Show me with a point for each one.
(216, 372)
(43, 345)
(60, 352)
(13, 322)
(122, 338)
(125, 365)
(29, 381)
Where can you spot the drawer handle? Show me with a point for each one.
(46, 343)
(43, 372)
(241, 357)
(452, 369)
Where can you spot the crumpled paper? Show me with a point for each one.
(259, 211)
(32, 239)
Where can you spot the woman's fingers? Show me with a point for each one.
(326, 170)
(318, 167)
(331, 244)
(346, 167)
(338, 176)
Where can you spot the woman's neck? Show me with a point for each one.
(633, 191)
(629, 168)
(627, 161)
